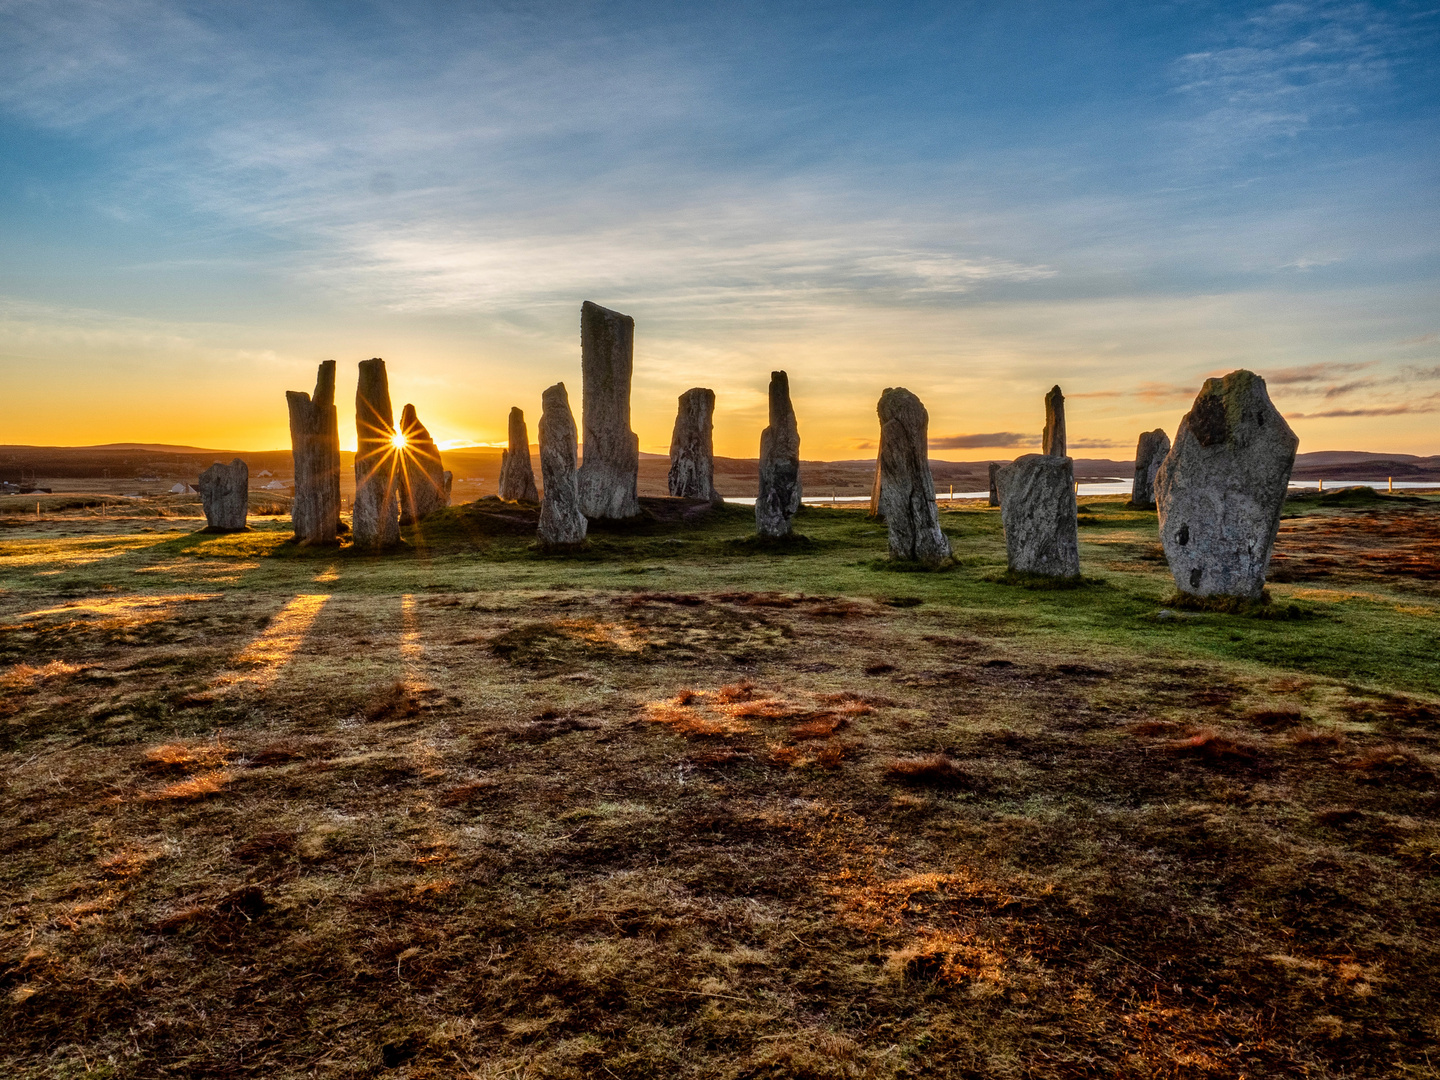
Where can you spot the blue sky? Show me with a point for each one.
(198, 202)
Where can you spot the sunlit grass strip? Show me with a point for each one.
(411, 651)
(118, 611)
(260, 662)
(73, 552)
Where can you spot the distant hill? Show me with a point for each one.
(477, 469)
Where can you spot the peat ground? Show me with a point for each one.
(684, 806)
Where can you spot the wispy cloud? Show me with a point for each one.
(995, 439)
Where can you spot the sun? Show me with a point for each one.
(398, 440)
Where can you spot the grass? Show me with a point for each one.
(679, 807)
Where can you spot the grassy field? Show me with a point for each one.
(684, 806)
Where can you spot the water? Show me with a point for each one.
(1109, 487)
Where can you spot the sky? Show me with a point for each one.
(199, 202)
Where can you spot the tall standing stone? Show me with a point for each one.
(610, 471)
(315, 448)
(1038, 511)
(877, 512)
(779, 496)
(1150, 452)
(692, 447)
(517, 475)
(994, 487)
(1052, 443)
(1222, 486)
(375, 523)
(424, 483)
(907, 488)
(225, 494)
(562, 523)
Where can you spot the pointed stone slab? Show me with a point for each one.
(994, 488)
(610, 471)
(907, 488)
(778, 498)
(1052, 442)
(315, 448)
(1221, 488)
(562, 524)
(1150, 452)
(1037, 508)
(375, 521)
(225, 494)
(423, 488)
(692, 447)
(517, 475)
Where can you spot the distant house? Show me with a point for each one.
(182, 489)
(273, 485)
(264, 472)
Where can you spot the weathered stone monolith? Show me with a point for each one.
(1222, 486)
(315, 448)
(877, 512)
(994, 489)
(562, 524)
(778, 498)
(1037, 509)
(1150, 452)
(907, 488)
(610, 470)
(1052, 442)
(225, 494)
(376, 515)
(517, 475)
(692, 453)
(423, 487)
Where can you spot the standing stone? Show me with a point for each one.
(779, 495)
(994, 488)
(315, 447)
(562, 524)
(1052, 442)
(1221, 488)
(517, 475)
(907, 488)
(376, 516)
(1150, 452)
(877, 511)
(610, 472)
(225, 493)
(423, 485)
(1037, 508)
(692, 452)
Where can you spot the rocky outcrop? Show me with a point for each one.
(1052, 442)
(517, 475)
(778, 498)
(562, 523)
(994, 488)
(1222, 486)
(1150, 452)
(375, 520)
(225, 494)
(315, 448)
(1037, 508)
(907, 488)
(610, 471)
(692, 452)
(422, 476)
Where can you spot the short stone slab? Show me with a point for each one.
(907, 488)
(994, 488)
(692, 454)
(423, 485)
(517, 474)
(1037, 508)
(1150, 452)
(778, 498)
(1222, 486)
(225, 494)
(562, 523)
